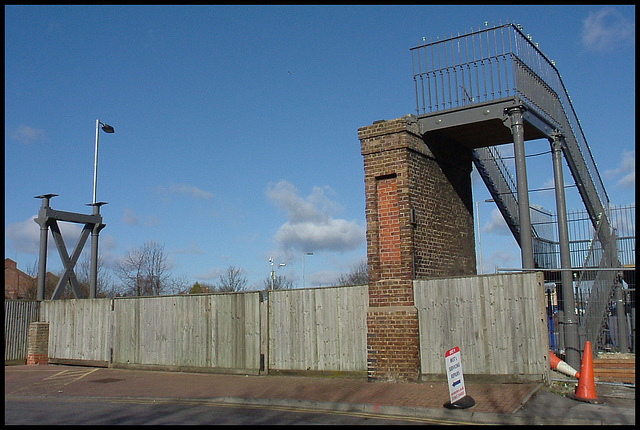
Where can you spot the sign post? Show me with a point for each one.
(457, 391)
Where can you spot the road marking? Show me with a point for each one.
(58, 380)
(72, 375)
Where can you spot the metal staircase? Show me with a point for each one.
(603, 283)
(501, 185)
(466, 84)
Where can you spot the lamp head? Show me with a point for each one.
(107, 128)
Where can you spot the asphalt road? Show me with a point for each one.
(82, 395)
(79, 411)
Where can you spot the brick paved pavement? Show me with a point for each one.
(500, 401)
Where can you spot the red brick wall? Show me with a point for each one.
(17, 284)
(440, 193)
(389, 221)
(404, 175)
(38, 343)
(393, 344)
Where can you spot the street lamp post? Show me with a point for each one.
(479, 240)
(273, 272)
(479, 236)
(107, 129)
(303, 268)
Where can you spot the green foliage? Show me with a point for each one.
(196, 289)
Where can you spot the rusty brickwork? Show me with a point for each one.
(419, 225)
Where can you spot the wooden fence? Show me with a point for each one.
(220, 331)
(17, 317)
(498, 321)
(319, 329)
(78, 329)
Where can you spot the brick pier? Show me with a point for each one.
(38, 343)
(419, 225)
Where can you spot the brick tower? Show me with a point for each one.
(419, 225)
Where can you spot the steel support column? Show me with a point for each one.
(48, 219)
(526, 239)
(95, 233)
(43, 222)
(621, 316)
(568, 318)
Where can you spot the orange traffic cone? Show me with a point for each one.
(586, 389)
(561, 366)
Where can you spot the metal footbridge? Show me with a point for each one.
(495, 86)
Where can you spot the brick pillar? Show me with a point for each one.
(38, 343)
(419, 225)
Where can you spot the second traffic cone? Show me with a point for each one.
(586, 389)
(561, 366)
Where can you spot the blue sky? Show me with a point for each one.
(236, 126)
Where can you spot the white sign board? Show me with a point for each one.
(454, 374)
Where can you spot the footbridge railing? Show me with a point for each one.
(498, 63)
(460, 79)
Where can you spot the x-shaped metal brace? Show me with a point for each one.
(48, 218)
(68, 263)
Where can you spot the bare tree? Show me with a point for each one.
(281, 282)
(359, 275)
(145, 271)
(232, 280)
(131, 272)
(31, 291)
(177, 284)
(105, 286)
(50, 284)
(157, 270)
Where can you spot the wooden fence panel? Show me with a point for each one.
(321, 329)
(207, 331)
(17, 317)
(79, 329)
(498, 321)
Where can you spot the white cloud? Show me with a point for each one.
(628, 181)
(210, 275)
(317, 207)
(131, 218)
(606, 28)
(322, 278)
(24, 236)
(503, 259)
(187, 189)
(27, 135)
(497, 224)
(193, 249)
(331, 235)
(311, 225)
(108, 246)
(626, 171)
